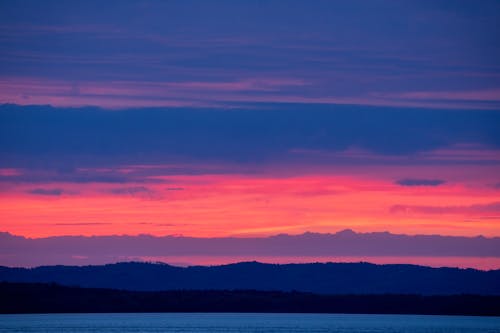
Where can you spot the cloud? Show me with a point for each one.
(40, 177)
(46, 191)
(329, 53)
(82, 223)
(221, 59)
(317, 193)
(59, 174)
(314, 246)
(475, 95)
(419, 182)
(488, 208)
(70, 136)
(136, 191)
(130, 190)
(9, 172)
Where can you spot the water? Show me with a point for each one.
(245, 323)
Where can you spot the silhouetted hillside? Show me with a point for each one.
(50, 298)
(331, 278)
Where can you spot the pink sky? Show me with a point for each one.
(274, 200)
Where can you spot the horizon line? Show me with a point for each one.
(250, 236)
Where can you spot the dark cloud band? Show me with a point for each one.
(37, 135)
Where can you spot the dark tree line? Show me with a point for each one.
(53, 298)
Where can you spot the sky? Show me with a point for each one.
(249, 118)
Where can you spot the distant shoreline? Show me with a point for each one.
(318, 278)
(18, 298)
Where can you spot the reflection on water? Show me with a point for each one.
(245, 323)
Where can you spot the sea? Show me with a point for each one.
(244, 323)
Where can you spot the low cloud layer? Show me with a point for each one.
(20, 251)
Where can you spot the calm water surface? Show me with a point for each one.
(244, 323)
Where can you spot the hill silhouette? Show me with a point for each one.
(328, 278)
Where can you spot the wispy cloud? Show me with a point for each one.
(82, 176)
(46, 191)
(181, 58)
(137, 192)
(241, 93)
(487, 208)
(486, 95)
(419, 182)
(82, 223)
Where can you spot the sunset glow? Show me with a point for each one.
(249, 119)
(268, 203)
